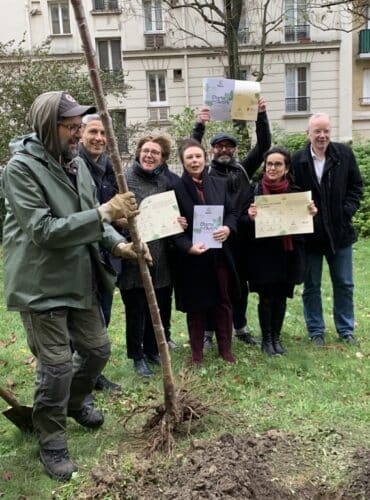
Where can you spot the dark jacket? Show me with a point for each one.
(337, 197)
(239, 172)
(103, 174)
(106, 187)
(145, 184)
(195, 279)
(268, 262)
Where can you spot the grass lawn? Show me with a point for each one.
(322, 396)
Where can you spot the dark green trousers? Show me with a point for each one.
(64, 380)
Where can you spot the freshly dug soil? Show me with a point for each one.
(273, 466)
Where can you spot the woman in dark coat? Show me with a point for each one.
(204, 277)
(147, 176)
(276, 263)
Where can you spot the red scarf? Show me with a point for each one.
(199, 187)
(269, 187)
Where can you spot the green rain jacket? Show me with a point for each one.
(51, 230)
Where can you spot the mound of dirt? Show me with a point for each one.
(231, 467)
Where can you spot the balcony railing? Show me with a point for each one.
(297, 104)
(159, 114)
(364, 42)
(154, 40)
(106, 5)
(298, 33)
(364, 101)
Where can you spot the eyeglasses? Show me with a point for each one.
(152, 152)
(220, 146)
(276, 164)
(73, 129)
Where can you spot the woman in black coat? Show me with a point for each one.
(204, 277)
(276, 263)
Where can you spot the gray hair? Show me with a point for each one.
(89, 118)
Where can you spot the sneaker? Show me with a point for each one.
(245, 336)
(172, 344)
(88, 416)
(57, 464)
(318, 341)
(142, 369)
(350, 339)
(103, 384)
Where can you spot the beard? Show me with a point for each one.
(224, 159)
(68, 152)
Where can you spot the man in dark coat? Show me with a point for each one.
(224, 164)
(330, 171)
(92, 151)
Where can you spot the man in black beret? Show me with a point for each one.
(237, 173)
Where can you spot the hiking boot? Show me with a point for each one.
(350, 339)
(103, 384)
(318, 341)
(88, 416)
(245, 336)
(142, 369)
(57, 464)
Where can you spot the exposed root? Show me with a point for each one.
(162, 426)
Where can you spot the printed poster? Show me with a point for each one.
(231, 99)
(283, 214)
(158, 216)
(207, 218)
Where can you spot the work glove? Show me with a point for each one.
(126, 251)
(121, 205)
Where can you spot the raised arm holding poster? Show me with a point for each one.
(231, 99)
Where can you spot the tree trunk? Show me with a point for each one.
(168, 379)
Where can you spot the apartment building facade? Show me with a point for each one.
(165, 53)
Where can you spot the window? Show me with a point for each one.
(59, 16)
(153, 15)
(296, 25)
(158, 105)
(296, 98)
(105, 4)
(366, 87)
(157, 88)
(109, 54)
(177, 75)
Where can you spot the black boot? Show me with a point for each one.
(57, 464)
(103, 384)
(264, 315)
(278, 315)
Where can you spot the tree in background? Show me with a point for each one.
(25, 75)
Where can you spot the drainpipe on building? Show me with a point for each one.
(28, 24)
(186, 69)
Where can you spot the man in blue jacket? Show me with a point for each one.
(329, 170)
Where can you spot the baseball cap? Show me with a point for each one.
(223, 136)
(69, 107)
